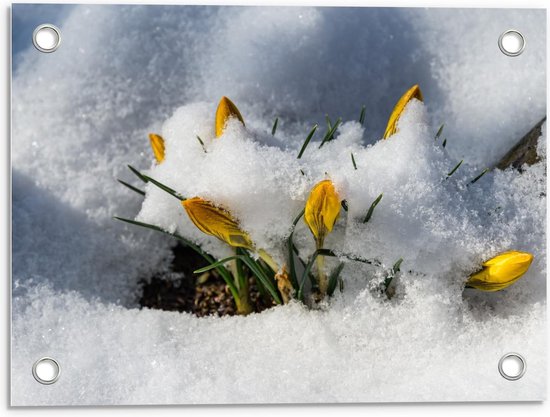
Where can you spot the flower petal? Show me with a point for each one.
(322, 210)
(157, 143)
(216, 221)
(501, 271)
(225, 110)
(413, 92)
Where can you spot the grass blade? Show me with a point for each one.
(146, 178)
(309, 136)
(274, 128)
(485, 171)
(137, 173)
(372, 207)
(393, 272)
(454, 169)
(439, 131)
(444, 142)
(353, 161)
(164, 188)
(329, 123)
(290, 245)
(131, 187)
(344, 204)
(253, 266)
(305, 274)
(328, 252)
(221, 269)
(330, 134)
(333, 279)
(362, 115)
(242, 279)
(202, 143)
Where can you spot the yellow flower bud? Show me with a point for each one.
(216, 221)
(322, 210)
(501, 271)
(226, 109)
(157, 143)
(413, 92)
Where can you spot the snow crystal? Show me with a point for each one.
(80, 115)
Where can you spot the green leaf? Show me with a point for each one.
(309, 136)
(164, 188)
(328, 252)
(397, 265)
(344, 204)
(137, 173)
(329, 123)
(202, 143)
(305, 274)
(353, 161)
(330, 134)
(393, 272)
(362, 115)
(439, 131)
(242, 279)
(290, 246)
(131, 187)
(307, 270)
(221, 269)
(274, 128)
(485, 171)
(444, 142)
(372, 207)
(454, 169)
(333, 279)
(254, 268)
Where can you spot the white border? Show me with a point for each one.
(420, 409)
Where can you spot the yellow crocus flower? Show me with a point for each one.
(322, 210)
(413, 92)
(216, 221)
(157, 143)
(225, 110)
(501, 271)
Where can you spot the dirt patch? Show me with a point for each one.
(203, 295)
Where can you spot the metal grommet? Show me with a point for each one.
(511, 42)
(512, 366)
(46, 38)
(46, 370)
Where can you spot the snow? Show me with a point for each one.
(78, 122)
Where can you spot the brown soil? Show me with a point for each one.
(203, 295)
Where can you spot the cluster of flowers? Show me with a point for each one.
(322, 209)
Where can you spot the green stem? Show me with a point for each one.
(322, 276)
(243, 306)
(268, 260)
(243, 301)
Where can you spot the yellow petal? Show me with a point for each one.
(413, 92)
(157, 143)
(322, 210)
(501, 271)
(226, 109)
(216, 221)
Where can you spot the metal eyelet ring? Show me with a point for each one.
(46, 370)
(511, 42)
(514, 361)
(46, 38)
